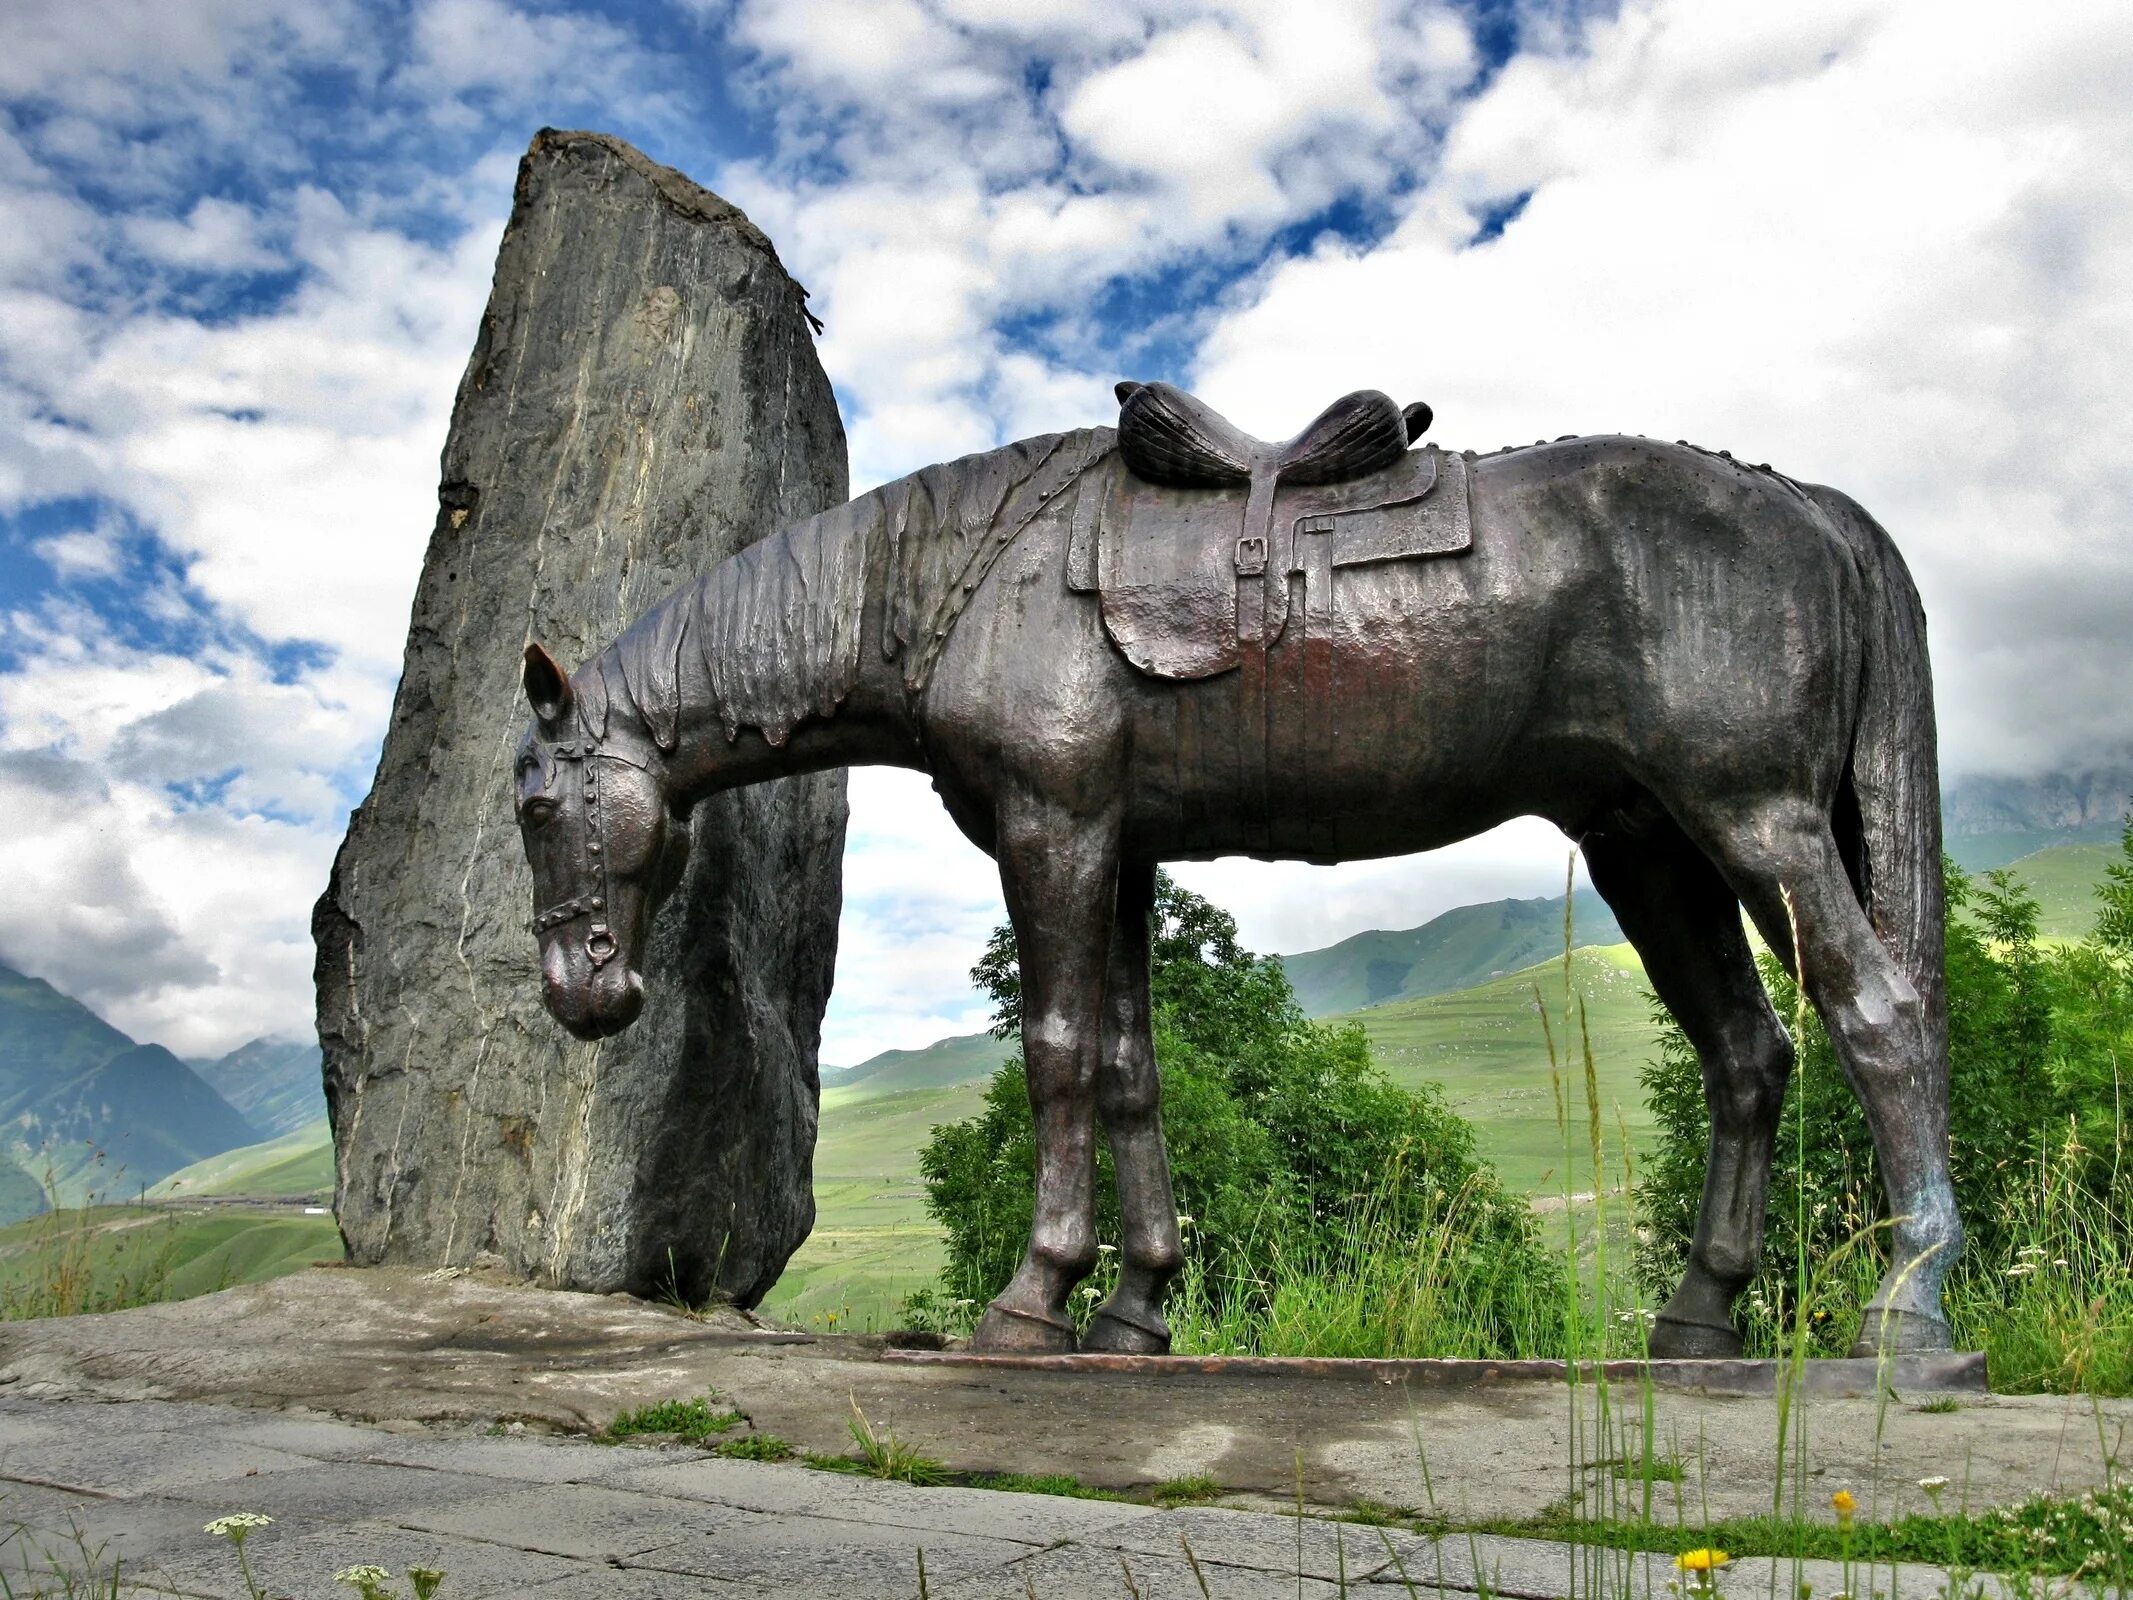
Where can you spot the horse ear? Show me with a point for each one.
(1125, 391)
(547, 685)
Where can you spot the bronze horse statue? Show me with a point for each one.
(1116, 647)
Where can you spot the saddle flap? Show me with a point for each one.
(1174, 566)
(1167, 574)
(1390, 517)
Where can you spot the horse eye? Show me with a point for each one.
(538, 810)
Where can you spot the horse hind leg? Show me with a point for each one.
(1059, 876)
(1884, 1040)
(1128, 1095)
(1685, 924)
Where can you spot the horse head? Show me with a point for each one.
(603, 848)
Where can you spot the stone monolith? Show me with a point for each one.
(643, 400)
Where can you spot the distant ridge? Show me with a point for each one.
(88, 1108)
(1991, 822)
(959, 1058)
(1463, 947)
(276, 1083)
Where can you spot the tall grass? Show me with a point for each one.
(1402, 1286)
(67, 1263)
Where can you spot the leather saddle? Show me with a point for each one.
(1194, 575)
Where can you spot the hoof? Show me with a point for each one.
(1673, 1340)
(1004, 1331)
(1901, 1333)
(1113, 1333)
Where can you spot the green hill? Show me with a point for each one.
(2064, 879)
(299, 1163)
(276, 1083)
(109, 1257)
(960, 1058)
(1489, 1049)
(1463, 947)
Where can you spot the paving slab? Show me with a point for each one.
(758, 1486)
(565, 1524)
(1079, 1571)
(302, 1567)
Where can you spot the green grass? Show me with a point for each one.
(692, 1421)
(1196, 1490)
(2047, 1533)
(296, 1164)
(2064, 879)
(754, 1447)
(110, 1257)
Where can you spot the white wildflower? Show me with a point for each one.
(365, 1574)
(237, 1524)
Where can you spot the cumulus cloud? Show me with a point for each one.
(944, 176)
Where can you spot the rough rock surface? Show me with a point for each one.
(643, 400)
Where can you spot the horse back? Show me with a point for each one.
(1626, 613)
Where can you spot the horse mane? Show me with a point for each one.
(773, 634)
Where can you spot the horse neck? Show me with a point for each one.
(746, 714)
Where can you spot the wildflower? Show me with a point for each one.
(425, 1580)
(238, 1525)
(1844, 1505)
(1107, 1249)
(1701, 1560)
(1934, 1484)
(367, 1580)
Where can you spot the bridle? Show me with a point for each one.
(600, 943)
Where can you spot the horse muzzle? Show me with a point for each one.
(592, 1002)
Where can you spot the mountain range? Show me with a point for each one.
(87, 1112)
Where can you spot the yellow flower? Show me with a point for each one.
(1701, 1560)
(1843, 1504)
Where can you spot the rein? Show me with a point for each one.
(600, 945)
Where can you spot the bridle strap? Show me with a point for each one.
(600, 943)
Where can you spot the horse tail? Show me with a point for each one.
(1891, 805)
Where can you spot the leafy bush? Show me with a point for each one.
(2038, 1042)
(1291, 1153)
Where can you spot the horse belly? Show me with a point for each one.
(1386, 714)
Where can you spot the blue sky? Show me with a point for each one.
(244, 245)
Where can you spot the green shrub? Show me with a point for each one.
(1292, 1155)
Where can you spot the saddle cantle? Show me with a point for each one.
(1177, 439)
(1194, 578)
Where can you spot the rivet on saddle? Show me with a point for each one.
(1170, 437)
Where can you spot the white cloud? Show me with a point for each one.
(919, 902)
(940, 170)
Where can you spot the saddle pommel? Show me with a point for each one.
(1177, 439)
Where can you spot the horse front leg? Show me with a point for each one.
(1059, 876)
(1128, 1095)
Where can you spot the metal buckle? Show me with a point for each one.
(1251, 555)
